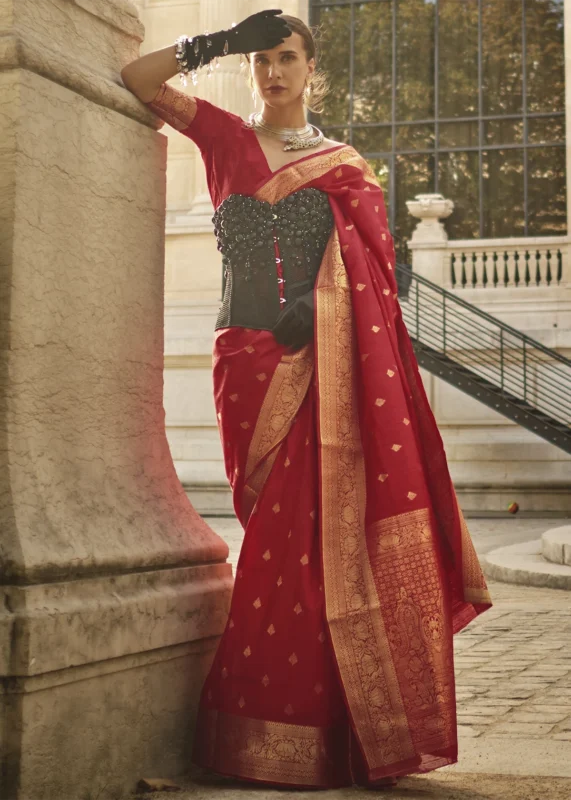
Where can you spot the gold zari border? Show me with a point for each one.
(276, 752)
(286, 392)
(357, 628)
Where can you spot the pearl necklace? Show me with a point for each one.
(295, 138)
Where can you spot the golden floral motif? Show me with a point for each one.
(267, 555)
(257, 603)
(304, 559)
(271, 630)
(420, 635)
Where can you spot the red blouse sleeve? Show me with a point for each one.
(215, 131)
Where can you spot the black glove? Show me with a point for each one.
(294, 326)
(260, 31)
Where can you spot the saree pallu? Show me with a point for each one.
(336, 664)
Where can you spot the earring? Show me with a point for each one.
(255, 99)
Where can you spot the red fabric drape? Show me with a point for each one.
(356, 567)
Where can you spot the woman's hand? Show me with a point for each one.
(261, 31)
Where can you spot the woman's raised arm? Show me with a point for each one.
(261, 31)
(144, 76)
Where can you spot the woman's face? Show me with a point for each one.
(285, 66)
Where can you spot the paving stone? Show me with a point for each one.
(538, 717)
(468, 731)
(525, 728)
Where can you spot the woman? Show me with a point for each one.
(336, 664)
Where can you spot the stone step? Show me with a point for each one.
(524, 564)
(556, 545)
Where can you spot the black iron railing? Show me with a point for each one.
(499, 365)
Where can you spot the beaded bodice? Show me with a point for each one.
(259, 278)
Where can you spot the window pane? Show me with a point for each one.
(417, 137)
(458, 181)
(415, 59)
(545, 65)
(457, 66)
(458, 134)
(338, 134)
(547, 200)
(381, 168)
(546, 129)
(502, 49)
(335, 22)
(373, 140)
(503, 193)
(372, 75)
(503, 131)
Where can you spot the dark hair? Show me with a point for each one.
(319, 86)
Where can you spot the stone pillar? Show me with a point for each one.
(429, 240)
(114, 590)
(567, 52)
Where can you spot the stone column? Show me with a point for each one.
(567, 46)
(114, 590)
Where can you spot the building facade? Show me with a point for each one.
(465, 100)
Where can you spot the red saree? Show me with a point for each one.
(336, 664)
(357, 567)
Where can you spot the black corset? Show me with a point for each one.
(245, 227)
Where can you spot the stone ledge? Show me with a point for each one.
(524, 564)
(54, 626)
(556, 545)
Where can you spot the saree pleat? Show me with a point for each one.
(357, 568)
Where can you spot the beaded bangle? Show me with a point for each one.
(183, 53)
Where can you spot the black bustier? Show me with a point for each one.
(245, 228)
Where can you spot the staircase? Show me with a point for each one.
(489, 360)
